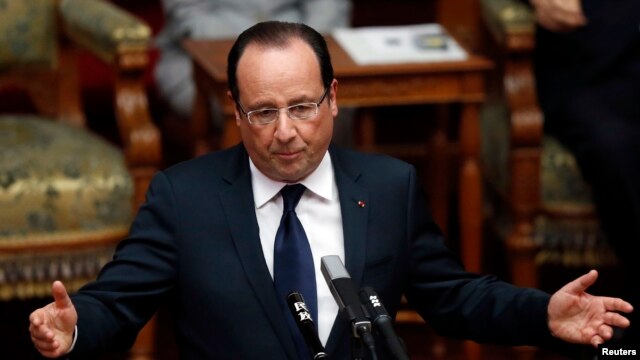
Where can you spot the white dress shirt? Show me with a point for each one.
(320, 215)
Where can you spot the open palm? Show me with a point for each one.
(53, 325)
(579, 317)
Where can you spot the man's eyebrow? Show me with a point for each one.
(268, 104)
(300, 99)
(262, 104)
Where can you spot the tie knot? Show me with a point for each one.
(291, 195)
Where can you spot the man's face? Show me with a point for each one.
(284, 150)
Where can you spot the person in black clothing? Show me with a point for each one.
(587, 63)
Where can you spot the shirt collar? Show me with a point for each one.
(320, 182)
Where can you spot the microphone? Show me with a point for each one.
(383, 322)
(305, 323)
(345, 294)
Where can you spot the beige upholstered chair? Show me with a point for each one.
(542, 205)
(67, 196)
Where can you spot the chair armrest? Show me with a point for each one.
(121, 40)
(512, 28)
(511, 23)
(104, 29)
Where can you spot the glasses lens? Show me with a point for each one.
(303, 111)
(262, 116)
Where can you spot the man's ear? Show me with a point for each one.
(333, 97)
(235, 108)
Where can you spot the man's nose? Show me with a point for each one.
(285, 126)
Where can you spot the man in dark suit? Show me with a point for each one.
(204, 240)
(588, 79)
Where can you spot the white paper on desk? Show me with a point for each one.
(396, 44)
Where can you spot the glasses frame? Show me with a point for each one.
(317, 105)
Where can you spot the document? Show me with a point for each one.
(399, 44)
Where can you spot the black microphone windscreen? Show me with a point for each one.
(298, 307)
(383, 322)
(305, 324)
(373, 303)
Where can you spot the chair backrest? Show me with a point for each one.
(39, 44)
(28, 32)
(36, 61)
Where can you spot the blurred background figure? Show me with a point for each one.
(587, 65)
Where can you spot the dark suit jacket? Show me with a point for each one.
(195, 243)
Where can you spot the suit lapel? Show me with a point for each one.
(239, 208)
(353, 202)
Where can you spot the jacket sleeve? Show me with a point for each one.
(461, 304)
(128, 290)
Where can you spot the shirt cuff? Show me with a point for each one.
(75, 338)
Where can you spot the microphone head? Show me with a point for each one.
(299, 308)
(305, 323)
(373, 303)
(345, 294)
(332, 268)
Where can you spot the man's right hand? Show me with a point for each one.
(52, 326)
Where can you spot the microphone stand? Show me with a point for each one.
(357, 350)
(367, 339)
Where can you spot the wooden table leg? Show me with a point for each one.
(470, 189)
(365, 129)
(470, 201)
(439, 171)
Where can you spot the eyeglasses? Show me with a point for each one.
(301, 111)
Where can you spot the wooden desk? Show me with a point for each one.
(380, 85)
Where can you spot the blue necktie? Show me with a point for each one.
(293, 268)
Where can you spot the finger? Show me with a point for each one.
(582, 283)
(36, 318)
(567, 6)
(605, 332)
(51, 353)
(41, 332)
(596, 340)
(617, 304)
(60, 295)
(45, 345)
(565, 15)
(575, 14)
(617, 320)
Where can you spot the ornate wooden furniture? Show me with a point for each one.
(67, 196)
